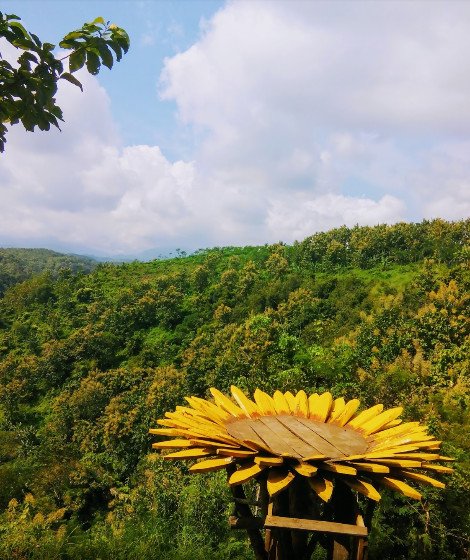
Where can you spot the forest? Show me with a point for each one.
(91, 356)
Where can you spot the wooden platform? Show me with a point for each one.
(298, 437)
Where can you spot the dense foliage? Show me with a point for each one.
(89, 361)
(17, 265)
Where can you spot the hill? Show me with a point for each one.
(89, 362)
(17, 265)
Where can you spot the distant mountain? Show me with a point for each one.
(17, 265)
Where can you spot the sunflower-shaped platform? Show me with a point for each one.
(315, 437)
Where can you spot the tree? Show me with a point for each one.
(28, 89)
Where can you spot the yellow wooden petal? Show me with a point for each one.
(315, 457)
(164, 431)
(188, 410)
(224, 402)
(403, 440)
(351, 458)
(364, 488)
(426, 445)
(422, 478)
(322, 487)
(185, 422)
(392, 424)
(305, 469)
(313, 404)
(167, 422)
(400, 486)
(211, 465)
(365, 416)
(268, 461)
(392, 453)
(375, 424)
(172, 444)
(280, 403)
(290, 401)
(242, 453)
(265, 402)
(370, 467)
(278, 480)
(201, 442)
(210, 435)
(203, 429)
(193, 421)
(337, 408)
(399, 462)
(192, 453)
(348, 412)
(214, 412)
(211, 410)
(419, 456)
(443, 458)
(407, 428)
(436, 468)
(301, 408)
(245, 473)
(325, 402)
(336, 468)
(244, 402)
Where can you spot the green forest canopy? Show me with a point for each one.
(88, 362)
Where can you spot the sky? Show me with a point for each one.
(244, 122)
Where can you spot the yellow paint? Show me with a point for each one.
(278, 480)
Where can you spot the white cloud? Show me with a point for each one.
(310, 97)
(297, 217)
(80, 189)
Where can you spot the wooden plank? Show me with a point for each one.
(304, 428)
(245, 522)
(344, 439)
(298, 446)
(242, 430)
(275, 439)
(315, 525)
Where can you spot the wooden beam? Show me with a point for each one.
(315, 525)
(245, 522)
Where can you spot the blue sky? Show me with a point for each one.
(232, 123)
(158, 29)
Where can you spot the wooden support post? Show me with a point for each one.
(342, 509)
(287, 520)
(242, 509)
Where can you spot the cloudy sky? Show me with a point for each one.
(245, 122)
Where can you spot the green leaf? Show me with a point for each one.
(98, 20)
(92, 62)
(70, 44)
(72, 35)
(27, 56)
(77, 60)
(24, 44)
(116, 48)
(72, 79)
(18, 26)
(106, 55)
(35, 38)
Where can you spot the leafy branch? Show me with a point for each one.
(28, 89)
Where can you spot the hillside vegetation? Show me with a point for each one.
(17, 265)
(89, 362)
